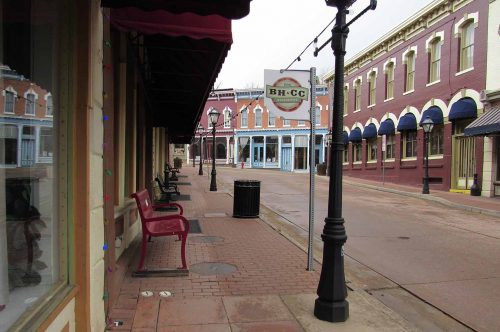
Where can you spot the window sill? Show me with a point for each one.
(408, 92)
(432, 83)
(345, 114)
(356, 111)
(372, 105)
(464, 71)
(391, 160)
(388, 99)
(434, 157)
(371, 161)
(409, 159)
(357, 163)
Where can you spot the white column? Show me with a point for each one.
(264, 149)
(19, 143)
(251, 150)
(37, 143)
(487, 187)
(227, 150)
(292, 166)
(279, 151)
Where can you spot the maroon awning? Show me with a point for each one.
(232, 9)
(174, 25)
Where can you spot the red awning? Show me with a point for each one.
(232, 9)
(174, 25)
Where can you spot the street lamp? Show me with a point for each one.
(214, 117)
(328, 139)
(331, 304)
(193, 142)
(200, 130)
(427, 125)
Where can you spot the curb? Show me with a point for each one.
(430, 198)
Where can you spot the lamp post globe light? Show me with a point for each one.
(200, 131)
(331, 304)
(214, 117)
(427, 125)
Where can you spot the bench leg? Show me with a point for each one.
(143, 251)
(183, 249)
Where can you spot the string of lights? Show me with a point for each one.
(297, 59)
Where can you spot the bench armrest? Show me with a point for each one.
(181, 210)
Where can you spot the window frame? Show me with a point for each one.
(244, 118)
(435, 60)
(227, 118)
(468, 26)
(410, 71)
(30, 104)
(10, 93)
(389, 80)
(407, 141)
(258, 117)
(357, 152)
(372, 88)
(371, 146)
(357, 95)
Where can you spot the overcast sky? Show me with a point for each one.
(276, 31)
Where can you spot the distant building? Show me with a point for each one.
(433, 64)
(264, 141)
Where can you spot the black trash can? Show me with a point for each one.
(246, 199)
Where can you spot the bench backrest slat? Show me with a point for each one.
(144, 203)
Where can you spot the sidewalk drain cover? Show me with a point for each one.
(206, 239)
(209, 269)
(215, 215)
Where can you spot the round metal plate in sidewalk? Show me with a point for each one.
(205, 239)
(210, 269)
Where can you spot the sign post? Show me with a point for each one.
(291, 94)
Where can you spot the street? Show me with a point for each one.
(444, 256)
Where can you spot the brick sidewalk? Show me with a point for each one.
(267, 266)
(458, 200)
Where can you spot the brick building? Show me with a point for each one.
(433, 64)
(264, 141)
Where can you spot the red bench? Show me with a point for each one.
(160, 224)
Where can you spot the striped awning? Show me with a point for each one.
(486, 124)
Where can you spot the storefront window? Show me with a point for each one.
(371, 152)
(409, 144)
(300, 153)
(436, 140)
(356, 151)
(32, 217)
(272, 149)
(244, 149)
(389, 147)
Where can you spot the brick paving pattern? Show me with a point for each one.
(267, 265)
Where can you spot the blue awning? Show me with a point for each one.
(370, 131)
(345, 137)
(465, 108)
(407, 122)
(488, 123)
(386, 128)
(434, 113)
(355, 135)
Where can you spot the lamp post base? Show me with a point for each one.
(331, 311)
(213, 181)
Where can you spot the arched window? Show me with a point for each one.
(435, 60)
(389, 80)
(227, 118)
(410, 72)
(244, 118)
(258, 117)
(372, 87)
(357, 95)
(220, 152)
(30, 104)
(272, 120)
(10, 102)
(50, 107)
(346, 98)
(467, 46)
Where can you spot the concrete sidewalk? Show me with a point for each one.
(484, 205)
(244, 276)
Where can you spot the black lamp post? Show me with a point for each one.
(427, 125)
(193, 141)
(200, 130)
(214, 117)
(331, 304)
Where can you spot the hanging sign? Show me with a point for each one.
(288, 93)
